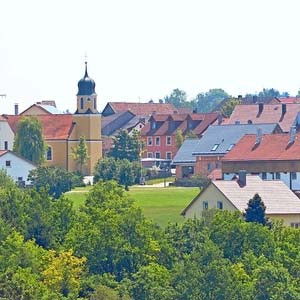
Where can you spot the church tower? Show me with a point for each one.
(87, 123)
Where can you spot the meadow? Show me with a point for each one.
(162, 205)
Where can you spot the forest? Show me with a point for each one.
(108, 250)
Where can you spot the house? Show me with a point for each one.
(6, 135)
(184, 159)
(281, 203)
(271, 156)
(138, 109)
(45, 107)
(16, 166)
(62, 132)
(286, 115)
(217, 141)
(160, 132)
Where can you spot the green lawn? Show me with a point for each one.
(162, 205)
(160, 180)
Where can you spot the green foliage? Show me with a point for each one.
(179, 138)
(255, 212)
(228, 107)
(206, 102)
(179, 99)
(195, 181)
(122, 170)
(29, 141)
(5, 180)
(80, 153)
(56, 179)
(126, 146)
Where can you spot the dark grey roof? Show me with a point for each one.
(86, 85)
(224, 137)
(184, 154)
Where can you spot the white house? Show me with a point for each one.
(16, 166)
(6, 135)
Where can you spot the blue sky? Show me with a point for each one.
(141, 49)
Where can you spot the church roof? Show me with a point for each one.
(55, 127)
(86, 85)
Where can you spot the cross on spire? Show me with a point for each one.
(86, 73)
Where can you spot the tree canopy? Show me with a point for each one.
(29, 141)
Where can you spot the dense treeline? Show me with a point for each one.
(108, 250)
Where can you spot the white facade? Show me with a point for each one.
(291, 179)
(6, 136)
(16, 167)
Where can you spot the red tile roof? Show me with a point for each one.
(215, 174)
(55, 127)
(289, 100)
(143, 108)
(2, 152)
(271, 147)
(181, 121)
(271, 113)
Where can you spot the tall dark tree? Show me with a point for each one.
(206, 102)
(255, 212)
(179, 99)
(29, 141)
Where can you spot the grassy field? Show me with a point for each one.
(162, 205)
(160, 180)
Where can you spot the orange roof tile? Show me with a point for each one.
(271, 147)
(55, 127)
(271, 113)
(2, 152)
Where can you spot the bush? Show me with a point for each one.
(195, 181)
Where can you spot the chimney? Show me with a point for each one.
(242, 178)
(258, 136)
(16, 109)
(194, 110)
(260, 107)
(220, 119)
(292, 134)
(283, 109)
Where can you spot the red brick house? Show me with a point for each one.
(160, 131)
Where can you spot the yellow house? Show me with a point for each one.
(62, 132)
(280, 201)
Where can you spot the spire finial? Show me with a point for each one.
(86, 73)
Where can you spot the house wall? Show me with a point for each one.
(163, 148)
(19, 167)
(211, 195)
(35, 110)
(180, 172)
(6, 134)
(202, 163)
(59, 153)
(287, 219)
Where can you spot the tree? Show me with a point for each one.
(179, 99)
(228, 107)
(56, 179)
(126, 146)
(255, 212)
(80, 153)
(206, 102)
(29, 141)
(179, 138)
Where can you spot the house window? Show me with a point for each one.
(230, 147)
(208, 167)
(81, 103)
(294, 175)
(169, 155)
(20, 178)
(217, 165)
(215, 147)
(153, 125)
(5, 145)
(205, 205)
(295, 225)
(49, 153)
(149, 154)
(8, 163)
(264, 176)
(89, 99)
(157, 154)
(169, 140)
(157, 141)
(277, 175)
(149, 141)
(219, 205)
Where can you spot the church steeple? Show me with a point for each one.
(86, 96)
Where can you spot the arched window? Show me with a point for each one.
(81, 103)
(49, 153)
(95, 103)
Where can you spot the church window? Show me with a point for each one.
(95, 104)
(81, 103)
(49, 153)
